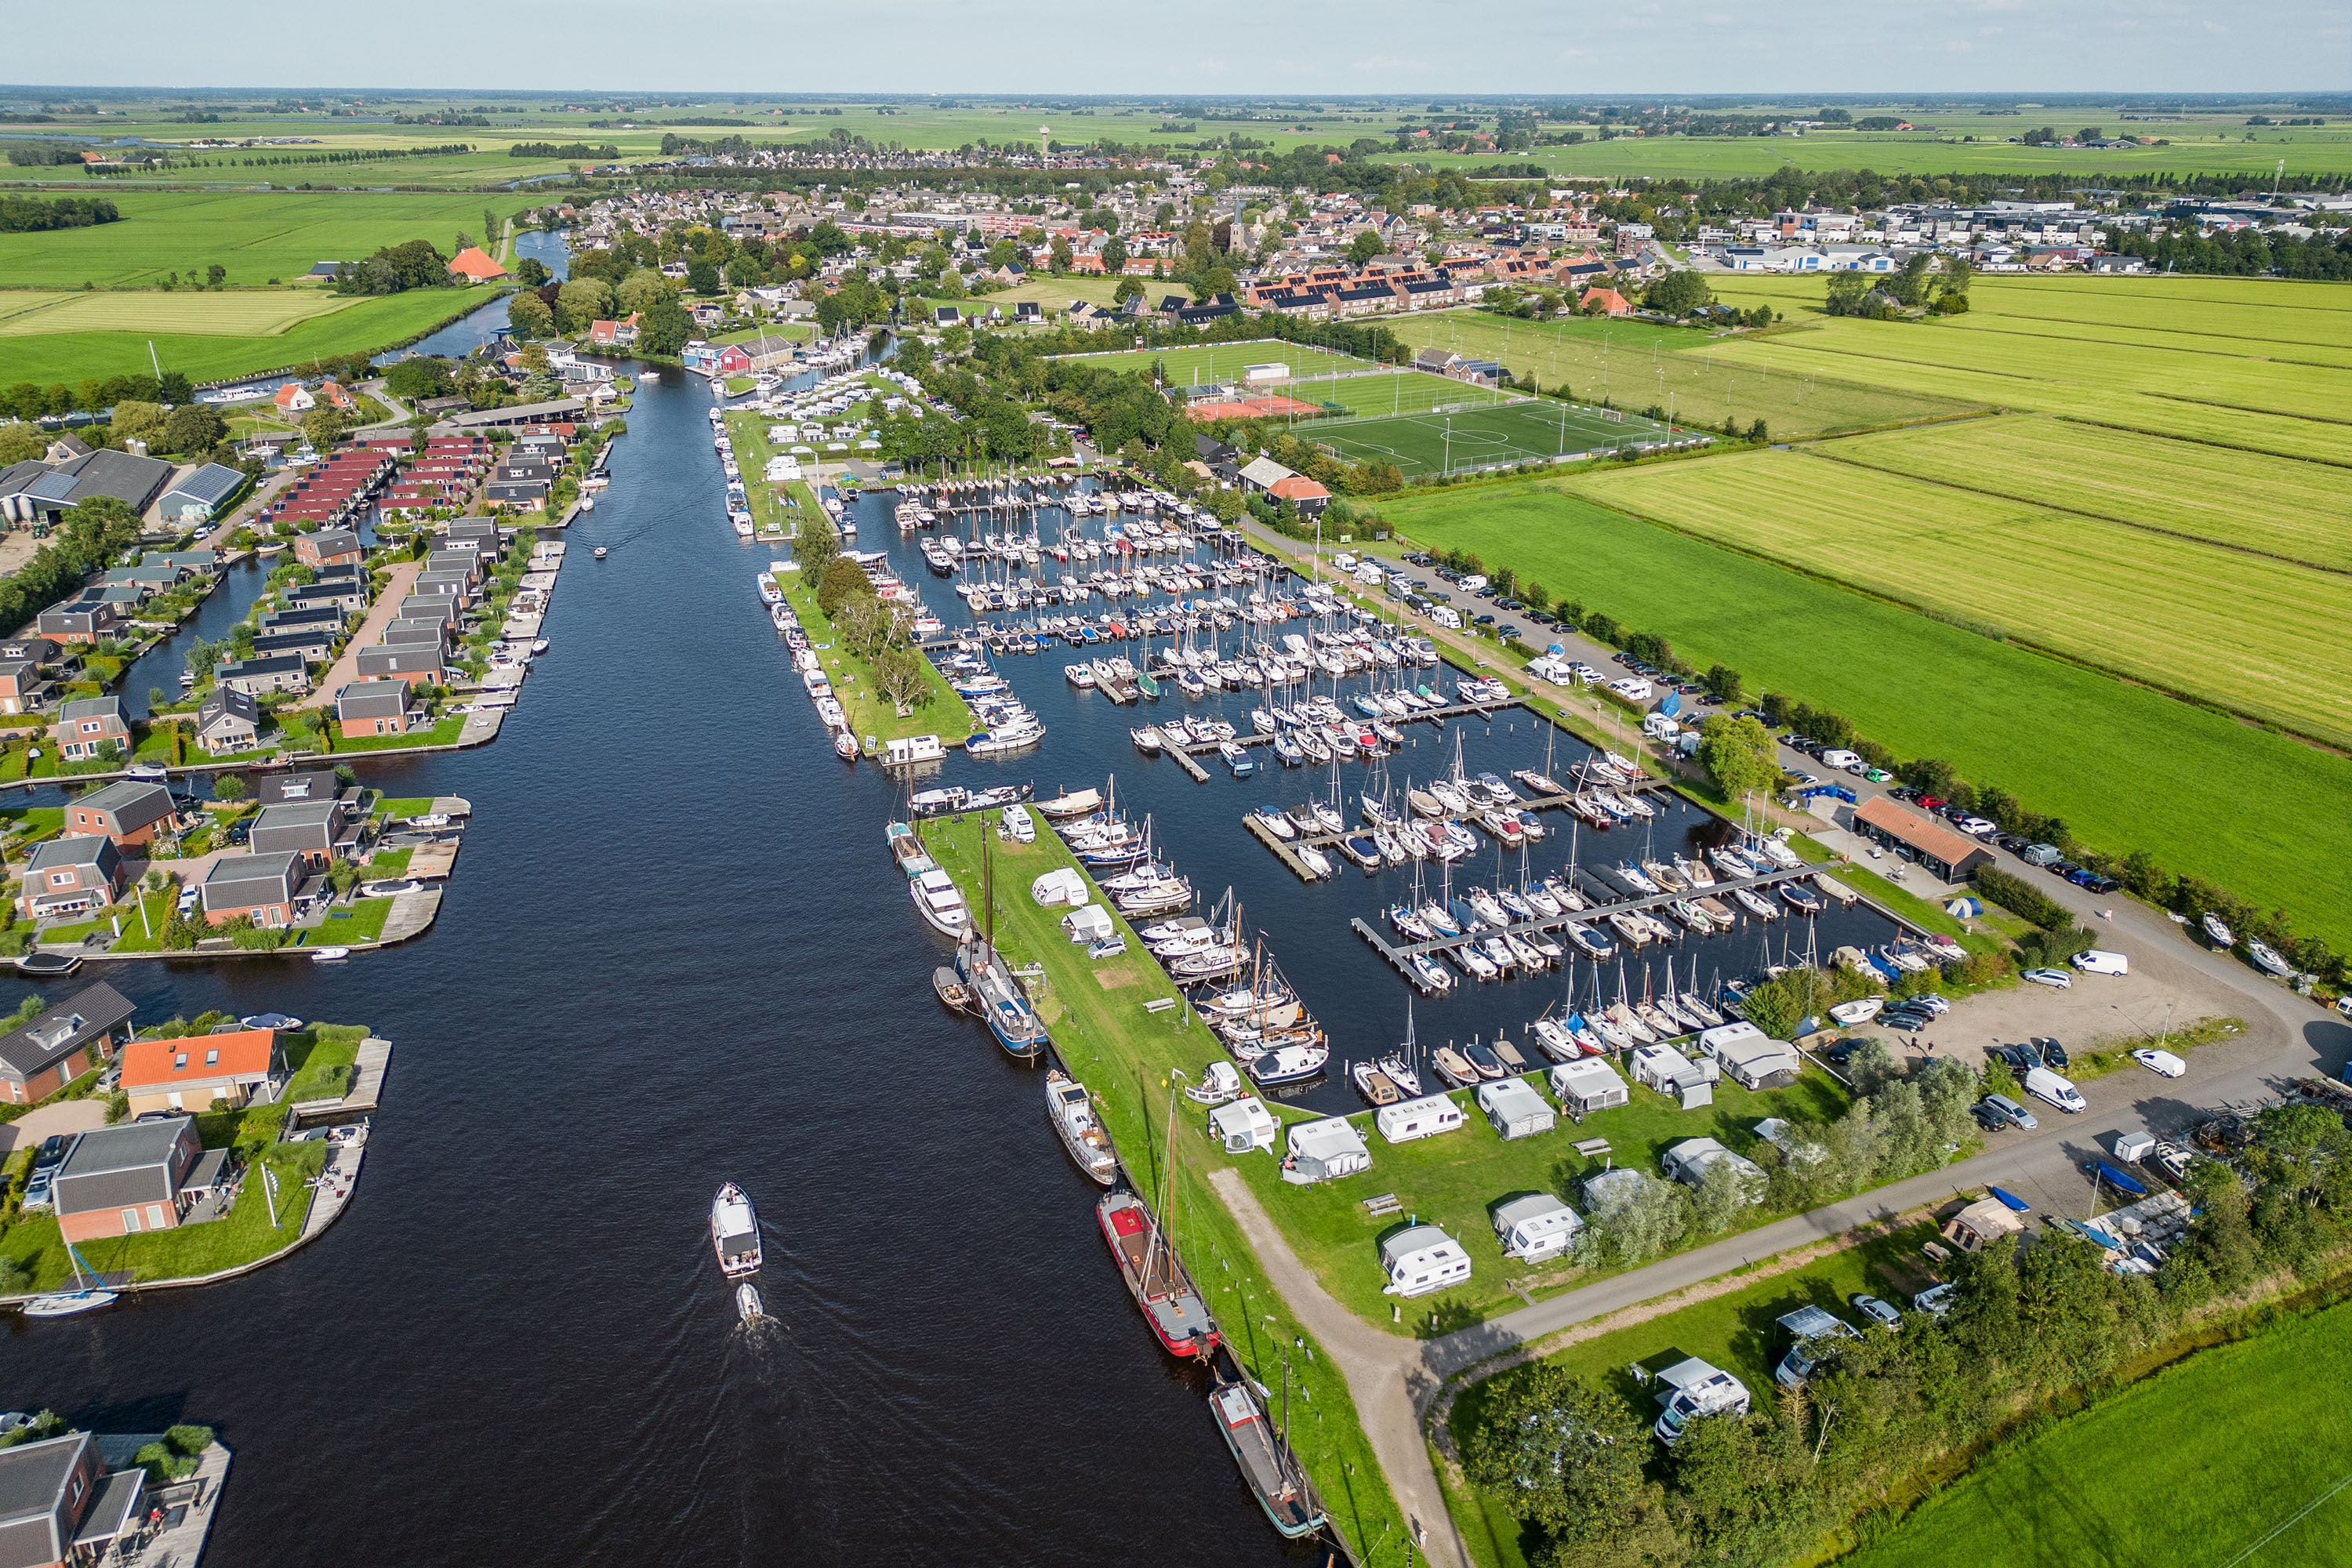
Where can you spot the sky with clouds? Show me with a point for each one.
(1310, 47)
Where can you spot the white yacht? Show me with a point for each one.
(734, 1232)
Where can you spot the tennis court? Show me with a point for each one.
(1501, 436)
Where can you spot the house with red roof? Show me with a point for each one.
(295, 398)
(475, 264)
(202, 1072)
(1607, 300)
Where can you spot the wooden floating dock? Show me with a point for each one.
(1399, 954)
(1184, 760)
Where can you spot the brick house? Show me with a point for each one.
(70, 876)
(273, 673)
(120, 1181)
(329, 546)
(63, 1043)
(204, 1072)
(409, 663)
(58, 1506)
(314, 829)
(129, 811)
(271, 890)
(374, 708)
(89, 616)
(88, 722)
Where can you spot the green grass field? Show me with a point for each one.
(256, 235)
(2235, 1457)
(1224, 361)
(1500, 437)
(2126, 767)
(257, 312)
(2247, 501)
(209, 353)
(1734, 1331)
(2072, 348)
(1635, 365)
(2250, 633)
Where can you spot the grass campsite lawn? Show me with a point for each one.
(1123, 1055)
(2249, 633)
(2126, 767)
(2241, 1461)
(1633, 364)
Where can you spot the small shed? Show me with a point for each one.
(1670, 1072)
(1423, 1117)
(1589, 1084)
(1420, 1258)
(1515, 1108)
(1241, 1126)
(1324, 1151)
(1981, 1224)
(1535, 1228)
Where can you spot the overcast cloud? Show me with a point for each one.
(1308, 47)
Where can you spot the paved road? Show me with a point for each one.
(379, 616)
(1394, 1380)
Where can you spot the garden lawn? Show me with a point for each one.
(1124, 1054)
(2248, 1469)
(2126, 767)
(442, 732)
(347, 924)
(1635, 366)
(2253, 633)
(1734, 1331)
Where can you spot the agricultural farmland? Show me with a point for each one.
(2252, 634)
(259, 237)
(2228, 388)
(1635, 365)
(205, 344)
(2249, 1471)
(2125, 766)
(2274, 506)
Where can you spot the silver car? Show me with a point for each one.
(1886, 1314)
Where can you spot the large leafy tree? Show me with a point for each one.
(1559, 1452)
(1739, 755)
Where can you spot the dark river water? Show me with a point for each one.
(673, 953)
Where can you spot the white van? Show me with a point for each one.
(1471, 584)
(1345, 560)
(2047, 1085)
(2093, 960)
(1447, 617)
(1846, 760)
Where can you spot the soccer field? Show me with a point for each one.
(1501, 436)
(1204, 363)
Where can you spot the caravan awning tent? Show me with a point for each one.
(1324, 1151)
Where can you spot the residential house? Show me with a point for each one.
(316, 645)
(271, 890)
(27, 678)
(348, 595)
(272, 672)
(327, 546)
(1608, 301)
(434, 633)
(375, 707)
(295, 398)
(479, 534)
(131, 812)
(228, 722)
(89, 616)
(412, 663)
(474, 264)
(87, 723)
(204, 1072)
(300, 619)
(65, 1042)
(59, 1507)
(318, 784)
(69, 876)
(142, 1176)
(613, 334)
(317, 830)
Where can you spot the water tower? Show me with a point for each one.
(1044, 146)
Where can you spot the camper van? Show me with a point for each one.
(1691, 1389)
(1423, 1117)
(1536, 1227)
(1421, 1259)
(1809, 1327)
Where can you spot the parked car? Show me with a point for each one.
(1884, 1313)
(52, 1152)
(2164, 1064)
(2000, 1111)
(1930, 1001)
(1936, 1301)
(1978, 826)
(2056, 979)
(1877, 776)
(38, 1190)
(2053, 1054)
(2019, 1059)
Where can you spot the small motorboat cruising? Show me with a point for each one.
(1072, 1111)
(747, 1305)
(734, 1232)
(600, 553)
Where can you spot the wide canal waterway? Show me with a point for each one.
(674, 953)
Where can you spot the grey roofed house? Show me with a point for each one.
(127, 596)
(315, 784)
(243, 881)
(81, 707)
(315, 646)
(196, 497)
(441, 608)
(92, 853)
(334, 541)
(40, 650)
(465, 560)
(58, 1504)
(194, 560)
(512, 491)
(302, 616)
(227, 719)
(479, 534)
(342, 593)
(457, 584)
(88, 1017)
(133, 803)
(302, 826)
(276, 672)
(394, 660)
(372, 698)
(124, 1167)
(432, 634)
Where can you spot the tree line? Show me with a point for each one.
(32, 214)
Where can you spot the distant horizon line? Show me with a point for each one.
(2018, 98)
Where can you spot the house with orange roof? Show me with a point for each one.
(335, 395)
(475, 265)
(1607, 300)
(295, 398)
(202, 1072)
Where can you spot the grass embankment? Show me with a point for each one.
(1124, 1054)
(2125, 766)
(319, 1060)
(2247, 1467)
(1733, 1329)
